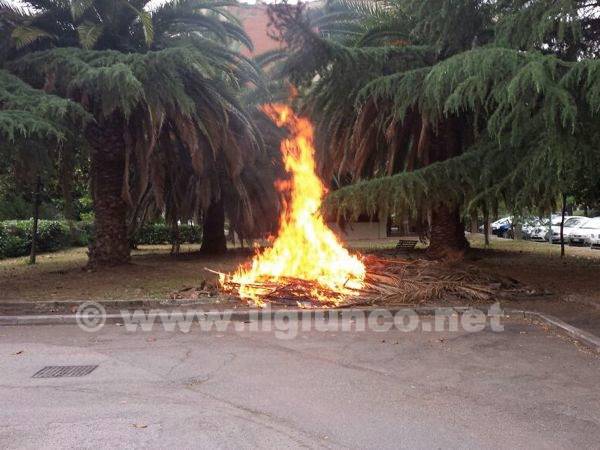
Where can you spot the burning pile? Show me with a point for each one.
(306, 259)
(308, 266)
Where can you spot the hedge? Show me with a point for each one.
(15, 235)
(160, 233)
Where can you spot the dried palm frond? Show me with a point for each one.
(388, 282)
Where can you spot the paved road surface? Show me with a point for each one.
(522, 388)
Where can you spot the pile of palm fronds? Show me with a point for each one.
(388, 282)
(290, 291)
(410, 281)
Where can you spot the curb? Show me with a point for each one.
(232, 315)
(584, 337)
(581, 301)
(49, 306)
(236, 316)
(588, 339)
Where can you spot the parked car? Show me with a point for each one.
(529, 227)
(501, 227)
(542, 231)
(571, 224)
(595, 239)
(583, 234)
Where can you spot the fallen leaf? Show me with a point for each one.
(139, 425)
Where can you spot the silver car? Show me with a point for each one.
(583, 234)
(595, 234)
(571, 225)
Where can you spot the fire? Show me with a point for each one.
(305, 248)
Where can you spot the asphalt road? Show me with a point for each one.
(525, 387)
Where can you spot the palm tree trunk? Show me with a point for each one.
(110, 245)
(447, 229)
(447, 233)
(213, 230)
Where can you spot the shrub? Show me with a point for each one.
(160, 233)
(191, 234)
(53, 235)
(11, 245)
(153, 233)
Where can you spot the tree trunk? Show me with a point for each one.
(213, 230)
(36, 218)
(175, 238)
(562, 226)
(447, 233)
(474, 223)
(486, 227)
(447, 230)
(110, 245)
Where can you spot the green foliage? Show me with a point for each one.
(124, 25)
(409, 192)
(27, 113)
(161, 233)
(561, 27)
(16, 237)
(502, 106)
(177, 129)
(54, 235)
(12, 245)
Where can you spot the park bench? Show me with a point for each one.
(405, 246)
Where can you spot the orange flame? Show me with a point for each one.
(305, 248)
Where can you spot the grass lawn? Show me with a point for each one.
(154, 274)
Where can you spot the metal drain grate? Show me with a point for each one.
(64, 371)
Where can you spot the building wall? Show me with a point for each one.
(255, 20)
(360, 230)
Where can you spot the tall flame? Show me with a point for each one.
(305, 248)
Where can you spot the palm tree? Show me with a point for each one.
(429, 100)
(162, 86)
(123, 25)
(367, 40)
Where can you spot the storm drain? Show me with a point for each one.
(64, 371)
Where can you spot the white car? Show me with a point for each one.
(539, 233)
(542, 232)
(572, 223)
(583, 234)
(529, 227)
(595, 233)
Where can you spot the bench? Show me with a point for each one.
(405, 245)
